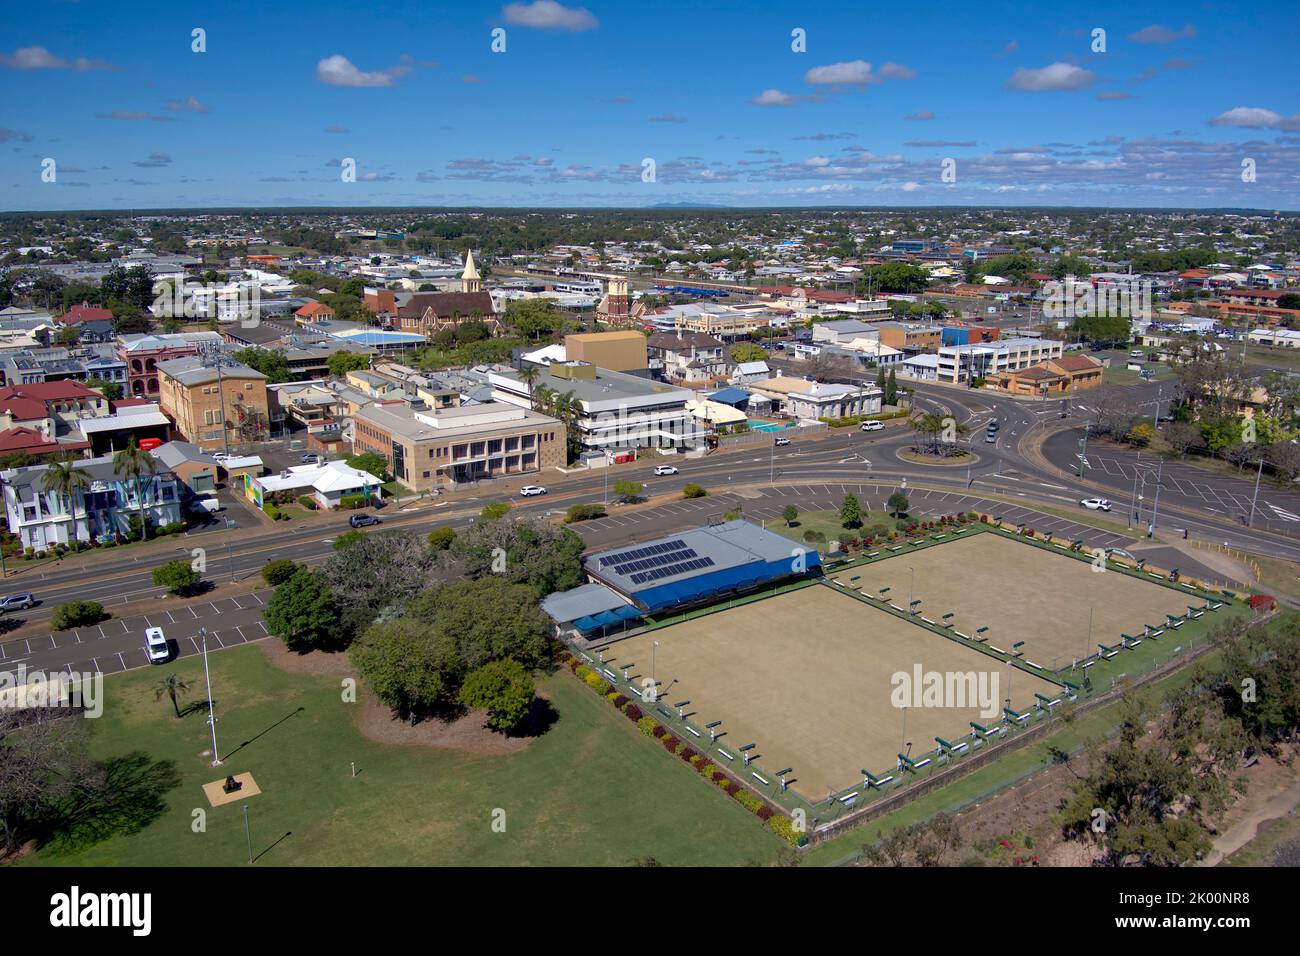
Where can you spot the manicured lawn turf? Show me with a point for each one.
(592, 790)
(808, 677)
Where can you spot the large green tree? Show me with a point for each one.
(302, 613)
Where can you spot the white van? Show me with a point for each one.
(156, 647)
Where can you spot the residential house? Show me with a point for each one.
(693, 359)
(101, 511)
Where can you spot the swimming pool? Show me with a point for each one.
(768, 426)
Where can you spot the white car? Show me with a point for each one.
(665, 469)
(782, 441)
(1095, 504)
(527, 491)
(156, 646)
(872, 426)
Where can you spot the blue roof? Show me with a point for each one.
(729, 396)
(722, 581)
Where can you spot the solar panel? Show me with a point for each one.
(655, 561)
(625, 556)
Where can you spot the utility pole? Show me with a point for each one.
(212, 358)
(1259, 474)
(1160, 394)
(1084, 446)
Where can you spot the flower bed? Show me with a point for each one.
(778, 823)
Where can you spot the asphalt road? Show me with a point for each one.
(1131, 475)
(847, 455)
(118, 644)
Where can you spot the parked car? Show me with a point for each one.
(205, 505)
(527, 491)
(310, 459)
(363, 521)
(665, 469)
(18, 602)
(149, 444)
(156, 647)
(873, 426)
(1095, 504)
(783, 441)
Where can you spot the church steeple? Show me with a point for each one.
(469, 279)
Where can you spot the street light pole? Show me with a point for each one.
(1084, 445)
(212, 710)
(1132, 505)
(1155, 505)
(1254, 498)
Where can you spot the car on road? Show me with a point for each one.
(1095, 504)
(665, 469)
(873, 426)
(782, 441)
(994, 425)
(991, 437)
(527, 491)
(18, 602)
(363, 521)
(156, 647)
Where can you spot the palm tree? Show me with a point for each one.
(133, 462)
(529, 375)
(171, 685)
(65, 480)
(544, 399)
(568, 409)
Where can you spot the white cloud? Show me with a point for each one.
(190, 104)
(39, 58)
(1158, 34)
(338, 70)
(1254, 117)
(849, 73)
(549, 15)
(896, 71)
(1057, 76)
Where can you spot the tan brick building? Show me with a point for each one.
(619, 351)
(441, 449)
(210, 409)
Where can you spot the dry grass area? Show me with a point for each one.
(1021, 593)
(807, 676)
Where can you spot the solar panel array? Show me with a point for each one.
(641, 577)
(655, 561)
(625, 556)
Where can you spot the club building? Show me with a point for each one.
(665, 575)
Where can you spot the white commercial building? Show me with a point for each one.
(961, 363)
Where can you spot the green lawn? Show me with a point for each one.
(591, 791)
(828, 523)
(1118, 374)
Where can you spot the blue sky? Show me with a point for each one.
(584, 93)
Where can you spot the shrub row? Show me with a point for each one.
(781, 825)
